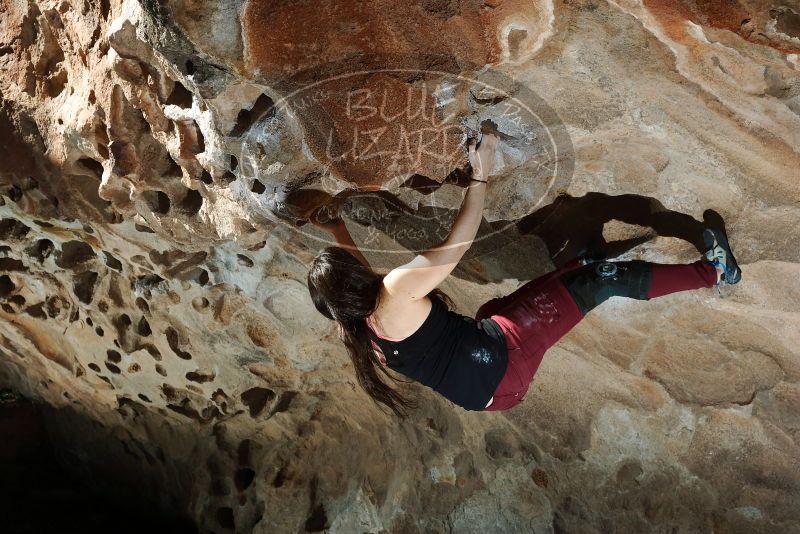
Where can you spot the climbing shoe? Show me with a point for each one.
(719, 254)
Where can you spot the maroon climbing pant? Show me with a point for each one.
(539, 313)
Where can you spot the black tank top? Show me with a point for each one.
(455, 355)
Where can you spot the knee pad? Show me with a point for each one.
(595, 283)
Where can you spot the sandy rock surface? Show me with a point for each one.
(160, 160)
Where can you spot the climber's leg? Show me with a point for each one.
(492, 306)
(533, 318)
(593, 284)
(538, 314)
(673, 278)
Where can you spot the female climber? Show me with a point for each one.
(402, 321)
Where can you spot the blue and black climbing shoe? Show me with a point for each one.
(719, 254)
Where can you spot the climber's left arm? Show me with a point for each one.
(336, 227)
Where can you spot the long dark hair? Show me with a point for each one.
(347, 291)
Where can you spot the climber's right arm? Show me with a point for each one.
(415, 279)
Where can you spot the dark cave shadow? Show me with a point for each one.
(40, 475)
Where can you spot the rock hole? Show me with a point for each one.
(200, 303)
(36, 311)
(143, 328)
(201, 140)
(198, 275)
(174, 170)
(173, 339)
(280, 477)
(83, 286)
(258, 187)
(539, 477)
(228, 177)
(318, 520)
(99, 331)
(11, 264)
(142, 305)
(185, 409)
(143, 397)
(206, 178)
(113, 356)
(284, 402)
(157, 201)
(102, 136)
(219, 396)
(143, 228)
(243, 477)
(14, 193)
(234, 163)
(201, 377)
(94, 166)
(122, 323)
(112, 262)
(244, 260)
(11, 229)
(41, 250)
(256, 399)
(160, 370)
(73, 253)
(190, 68)
(94, 367)
(151, 349)
(54, 85)
(192, 202)
(180, 96)
(248, 117)
(113, 368)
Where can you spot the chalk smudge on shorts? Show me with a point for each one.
(482, 355)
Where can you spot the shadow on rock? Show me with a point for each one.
(526, 248)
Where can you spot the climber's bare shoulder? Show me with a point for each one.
(400, 316)
(405, 288)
